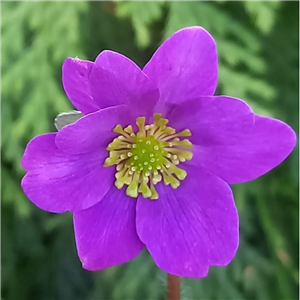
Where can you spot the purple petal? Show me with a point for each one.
(92, 132)
(75, 77)
(191, 228)
(253, 154)
(59, 182)
(116, 80)
(213, 120)
(106, 233)
(185, 66)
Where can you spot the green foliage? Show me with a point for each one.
(142, 15)
(258, 54)
(263, 13)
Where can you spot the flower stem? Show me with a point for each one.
(173, 287)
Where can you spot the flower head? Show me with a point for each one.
(149, 163)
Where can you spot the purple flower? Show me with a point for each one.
(150, 162)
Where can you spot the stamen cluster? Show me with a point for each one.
(149, 156)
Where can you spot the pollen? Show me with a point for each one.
(148, 156)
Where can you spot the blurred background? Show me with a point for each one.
(258, 53)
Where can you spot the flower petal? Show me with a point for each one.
(252, 155)
(116, 80)
(92, 132)
(75, 78)
(58, 182)
(106, 233)
(185, 66)
(213, 120)
(191, 228)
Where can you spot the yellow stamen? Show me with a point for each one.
(149, 156)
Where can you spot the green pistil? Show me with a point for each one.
(148, 157)
(147, 154)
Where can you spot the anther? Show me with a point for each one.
(140, 168)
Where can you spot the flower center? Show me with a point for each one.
(149, 156)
